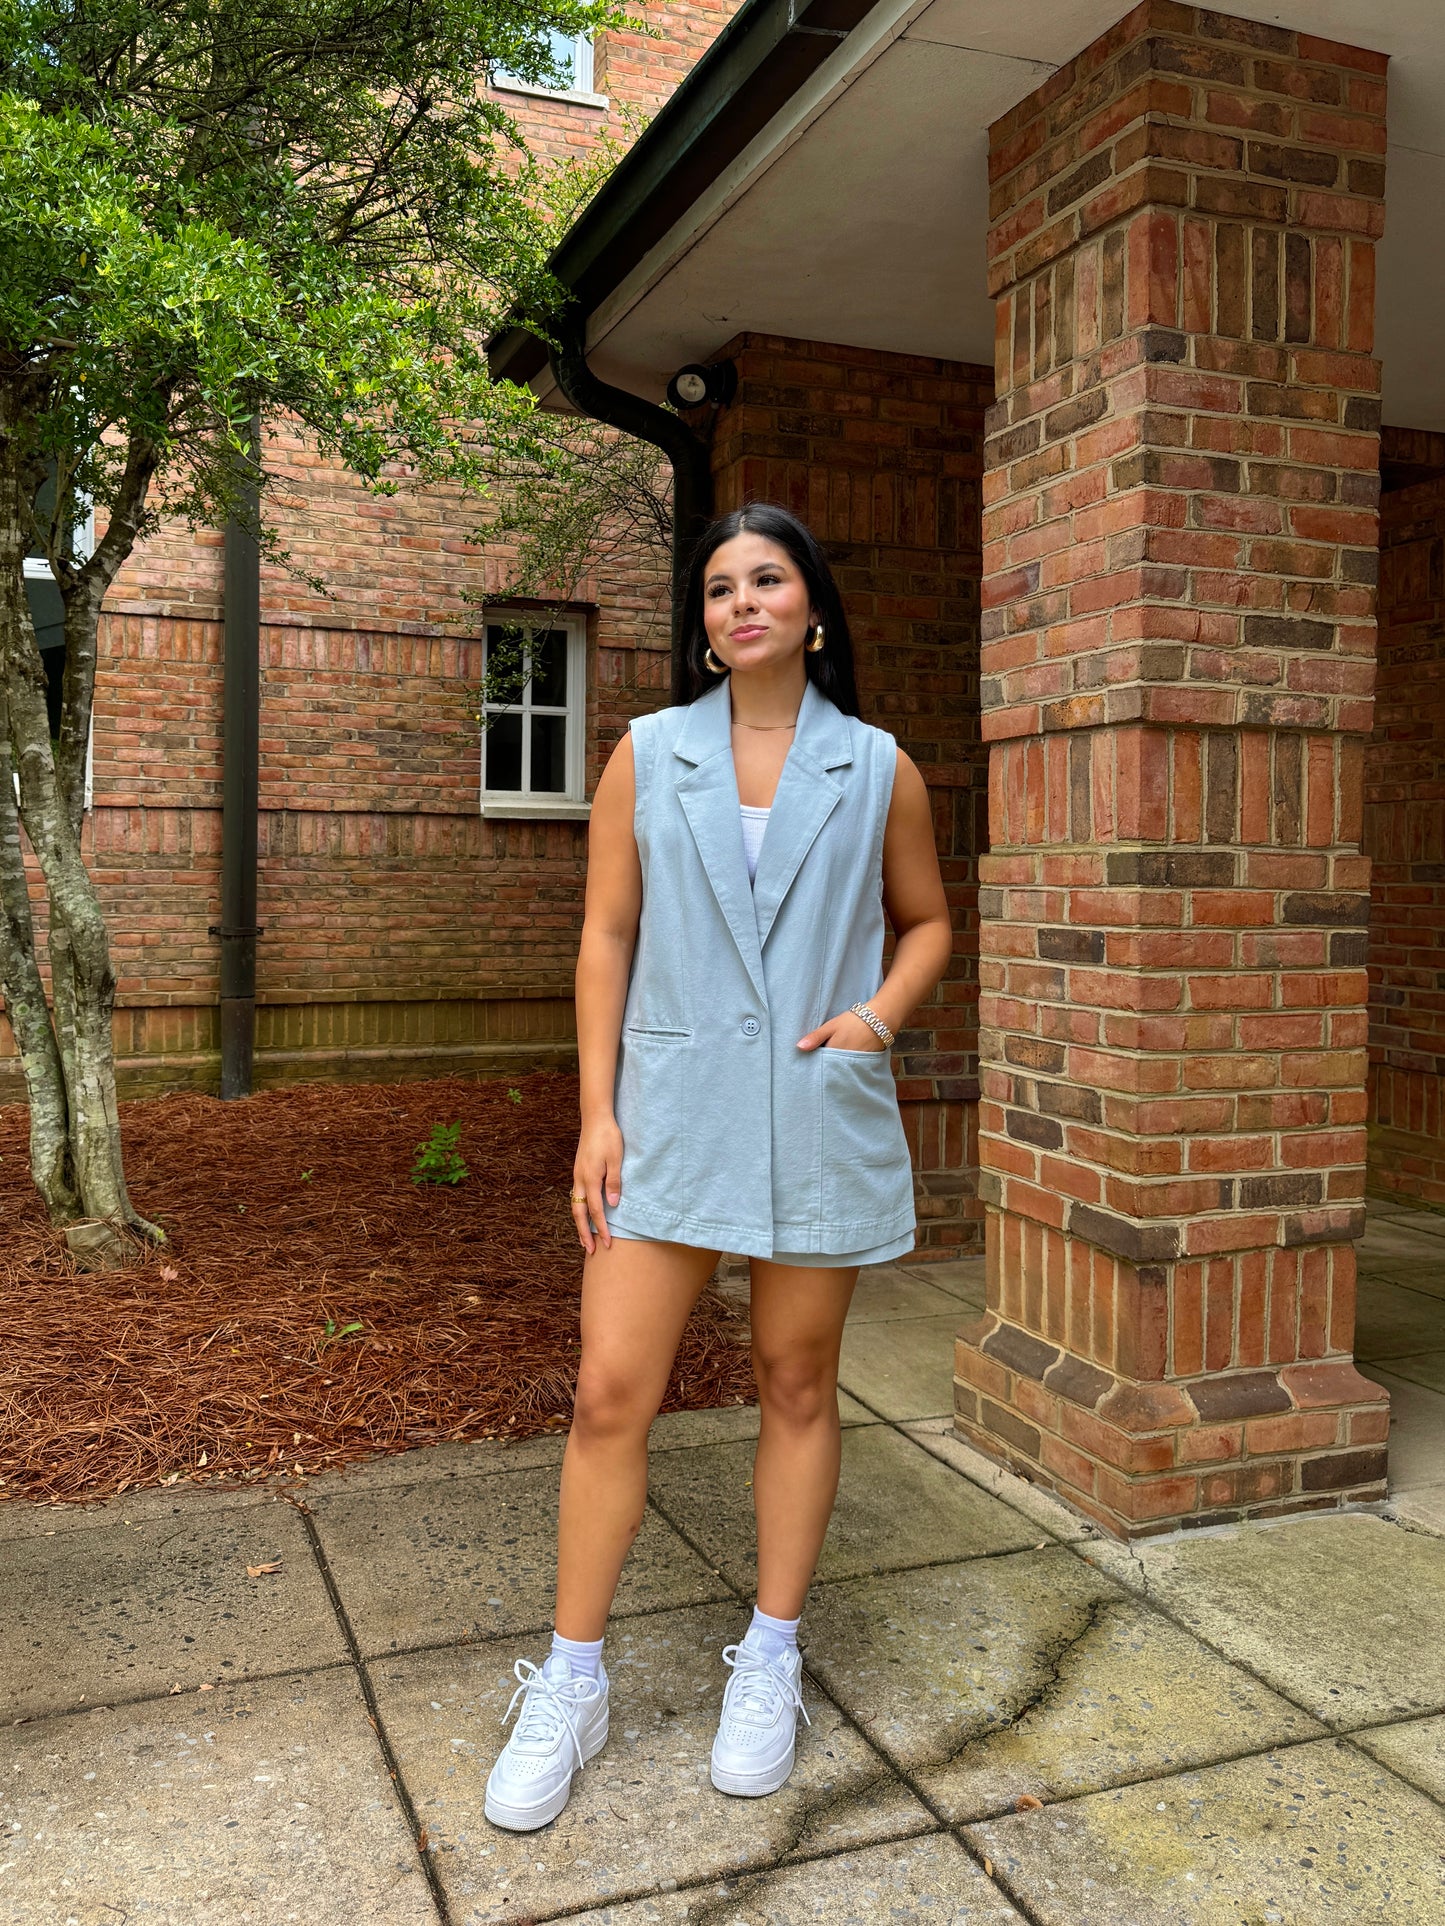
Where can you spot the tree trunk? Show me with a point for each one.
(67, 1058)
(24, 994)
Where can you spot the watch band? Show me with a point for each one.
(874, 1021)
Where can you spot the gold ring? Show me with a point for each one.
(579, 1197)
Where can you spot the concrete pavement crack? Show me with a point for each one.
(1055, 1662)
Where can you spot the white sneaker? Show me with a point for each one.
(562, 1723)
(754, 1748)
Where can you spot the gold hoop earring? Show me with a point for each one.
(718, 668)
(817, 641)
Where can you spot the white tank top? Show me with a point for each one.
(755, 821)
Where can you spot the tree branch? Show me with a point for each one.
(83, 596)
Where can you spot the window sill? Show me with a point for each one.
(574, 95)
(535, 809)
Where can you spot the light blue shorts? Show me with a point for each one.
(808, 1260)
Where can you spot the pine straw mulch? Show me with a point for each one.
(287, 1215)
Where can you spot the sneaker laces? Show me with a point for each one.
(758, 1683)
(548, 1706)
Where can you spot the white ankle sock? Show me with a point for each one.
(584, 1655)
(775, 1635)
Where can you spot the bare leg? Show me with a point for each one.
(797, 1318)
(636, 1299)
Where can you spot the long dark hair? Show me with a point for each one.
(831, 667)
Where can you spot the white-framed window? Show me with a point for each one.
(533, 746)
(573, 55)
(47, 616)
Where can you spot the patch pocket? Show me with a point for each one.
(648, 1104)
(866, 1172)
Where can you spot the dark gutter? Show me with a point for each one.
(692, 493)
(758, 61)
(240, 794)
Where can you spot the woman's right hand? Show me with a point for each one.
(598, 1167)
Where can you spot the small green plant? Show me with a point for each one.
(438, 1161)
(331, 1332)
(515, 1095)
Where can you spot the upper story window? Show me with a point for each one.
(573, 56)
(533, 761)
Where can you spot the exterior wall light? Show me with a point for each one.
(714, 381)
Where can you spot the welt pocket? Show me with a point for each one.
(651, 1030)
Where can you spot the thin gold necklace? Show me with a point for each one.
(762, 727)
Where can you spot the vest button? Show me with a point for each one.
(751, 1026)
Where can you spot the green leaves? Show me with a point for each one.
(438, 1160)
(214, 207)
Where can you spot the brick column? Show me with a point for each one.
(1180, 547)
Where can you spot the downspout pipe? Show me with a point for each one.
(240, 792)
(692, 491)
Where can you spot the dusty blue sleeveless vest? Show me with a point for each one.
(732, 1136)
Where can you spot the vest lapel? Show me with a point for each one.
(709, 797)
(805, 798)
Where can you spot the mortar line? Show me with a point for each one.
(373, 1712)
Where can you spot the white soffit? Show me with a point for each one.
(858, 214)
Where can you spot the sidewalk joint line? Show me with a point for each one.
(734, 1876)
(165, 1695)
(374, 1718)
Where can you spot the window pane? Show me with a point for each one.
(504, 658)
(549, 669)
(563, 49)
(503, 750)
(47, 612)
(549, 755)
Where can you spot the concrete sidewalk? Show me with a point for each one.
(1232, 1728)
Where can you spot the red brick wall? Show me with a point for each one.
(378, 877)
(882, 455)
(643, 72)
(1405, 834)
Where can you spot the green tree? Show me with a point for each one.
(211, 209)
(576, 495)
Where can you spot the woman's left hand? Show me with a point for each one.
(845, 1032)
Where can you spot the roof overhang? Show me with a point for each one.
(822, 174)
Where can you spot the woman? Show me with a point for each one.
(737, 1095)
